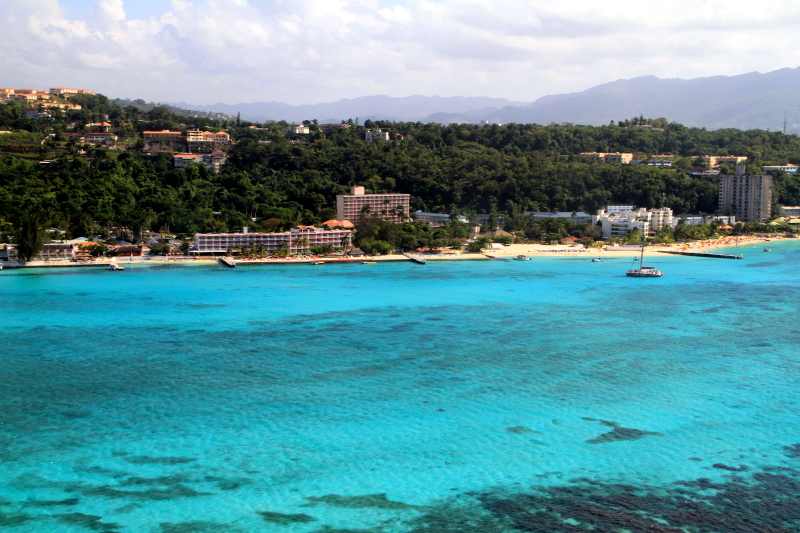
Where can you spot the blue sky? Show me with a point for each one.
(136, 9)
(311, 51)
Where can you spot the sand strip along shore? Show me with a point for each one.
(510, 251)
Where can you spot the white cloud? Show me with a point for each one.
(107, 13)
(398, 14)
(308, 51)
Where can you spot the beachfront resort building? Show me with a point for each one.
(49, 251)
(357, 205)
(748, 196)
(619, 223)
(299, 240)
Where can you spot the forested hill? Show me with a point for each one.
(281, 180)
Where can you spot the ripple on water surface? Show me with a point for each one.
(452, 397)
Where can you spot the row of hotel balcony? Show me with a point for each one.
(298, 238)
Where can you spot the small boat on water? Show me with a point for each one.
(767, 249)
(368, 262)
(597, 260)
(643, 271)
(318, 262)
(113, 267)
(226, 261)
(522, 258)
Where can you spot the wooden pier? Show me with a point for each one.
(416, 258)
(704, 254)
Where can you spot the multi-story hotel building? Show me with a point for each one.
(160, 136)
(163, 141)
(299, 240)
(750, 195)
(206, 141)
(619, 223)
(193, 140)
(354, 206)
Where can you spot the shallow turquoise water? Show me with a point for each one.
(200, 398)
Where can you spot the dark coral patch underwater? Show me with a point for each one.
(618, 433)
(375, 501)
(762, 503)
(285, 518)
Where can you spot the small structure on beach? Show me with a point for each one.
(129, 250)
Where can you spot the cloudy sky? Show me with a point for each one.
(312, 51)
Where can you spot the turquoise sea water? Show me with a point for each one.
(493, 396)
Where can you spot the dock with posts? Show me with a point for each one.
(704, 254)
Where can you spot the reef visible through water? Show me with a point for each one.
(496, 397)
(762, 501)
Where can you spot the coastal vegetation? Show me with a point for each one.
(275, 180)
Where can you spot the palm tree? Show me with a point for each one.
(345, 242)
(302, 243)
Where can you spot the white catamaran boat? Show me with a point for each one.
(643, 271)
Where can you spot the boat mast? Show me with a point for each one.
(641, 257)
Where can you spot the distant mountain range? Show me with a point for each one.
(746, 101)
(408, 109)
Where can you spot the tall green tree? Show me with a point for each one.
(29, 236)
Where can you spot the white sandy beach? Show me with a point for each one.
(510, 251)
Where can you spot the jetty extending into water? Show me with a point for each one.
(416, 258)
(703, 254)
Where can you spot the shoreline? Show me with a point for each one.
(506, 252)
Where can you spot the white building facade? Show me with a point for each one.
(299, 240)
(619, 223)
